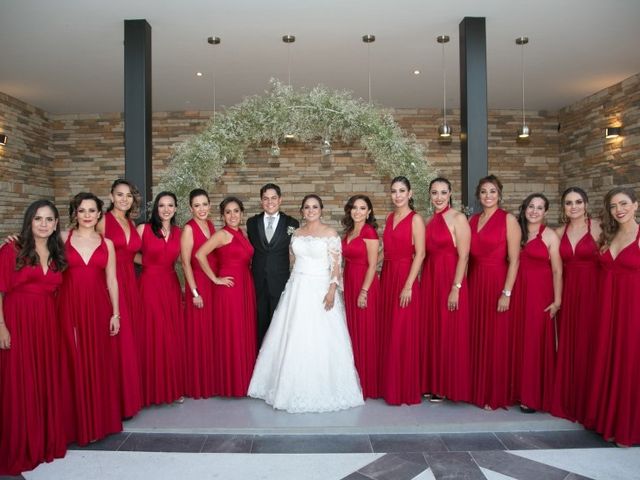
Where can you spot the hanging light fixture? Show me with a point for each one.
(444, 130)
(288, 39)
(214, 41)
(369, 39)
(524, 131)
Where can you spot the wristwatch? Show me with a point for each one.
(457, 285)
(506, 293)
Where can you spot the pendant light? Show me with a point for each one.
(524, 131)
(214, 41)
(369, 39)
(288, 39)
(444, 130)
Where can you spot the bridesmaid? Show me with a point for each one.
(160, 331)
(31, 429)
(89, 318)
(116, 225)
(445, 308)
(360, 246)
(537, 299)
(234, 301)
(616, 389)
(199, 359)
(493, 266)
(578, 319)
(400, 307)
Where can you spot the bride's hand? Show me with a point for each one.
(329, 299)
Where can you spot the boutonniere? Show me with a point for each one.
(290, 230)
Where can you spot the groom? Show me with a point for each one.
(270, 234)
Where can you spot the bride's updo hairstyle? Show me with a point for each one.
(307, 197)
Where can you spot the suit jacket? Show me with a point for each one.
(271, 259)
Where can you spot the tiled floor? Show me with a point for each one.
(244, 439)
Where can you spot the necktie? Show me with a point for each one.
(269, 230)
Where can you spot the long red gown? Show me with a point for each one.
(31, 429)
(199, 376)
(160, 332)
(534, 332)
(490, 345)
(400, 326)
(234, 318)
(616, 390)
(89, 354)
(447, 367)
(577, 322)
(363, 323)
(130, 312)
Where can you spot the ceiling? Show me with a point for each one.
(66, 56)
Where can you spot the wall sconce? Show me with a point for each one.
(3, 139)
(612, 132)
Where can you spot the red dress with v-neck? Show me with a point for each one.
(130, 312)
(490, 341)
(363, 323)
(533, 341)
(160, 333)
(615, 408)
(31, 429)
(199, 357)
(400, 326)
(577, 324)
(447, 352)
(88, 352)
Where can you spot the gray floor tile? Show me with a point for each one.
(471, 442)
(518, 467)
(390, 443)
(454, 465)
(163, 442)
(228, 444)
(393, 467)
(311, 444)
(546, 440)
(111, 443)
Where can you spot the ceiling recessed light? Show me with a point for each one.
(199, 74)
(416, 72)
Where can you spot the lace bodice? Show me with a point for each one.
(317, 256)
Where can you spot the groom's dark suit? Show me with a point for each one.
(270, 265)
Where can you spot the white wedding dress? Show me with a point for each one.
(306, 362)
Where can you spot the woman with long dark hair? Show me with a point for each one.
(160, 333)
(31, 429)
(400, 306)
(537, 298)
(493, 266)
(117, 226)
(445, 309)
(614, 408)
(234, 301)
(360, 246)
(578, 317)
(199, 343)
(89, 314)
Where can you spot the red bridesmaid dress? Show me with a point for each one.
(130, 312)
(160, 331)
(199, 380)
(89, 353)
(31, 429)
(447, 365)
(234, 317)
(363, 323)
(577, 323)
(534, 331)
(615, 412)
(400, 326)
(489, 328)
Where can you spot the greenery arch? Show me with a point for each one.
(309, 114)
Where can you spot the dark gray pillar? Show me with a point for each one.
(473, 107)
(137, 107)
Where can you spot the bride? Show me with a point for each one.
(306, 362)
